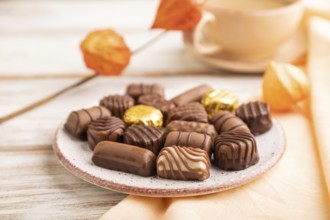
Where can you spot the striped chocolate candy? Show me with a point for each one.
(183, 163)
(225, 121)
(190, 126)
(188, 112)
(110, 129)
(117, 104)
(136, 90)
(256, 115)
(190, 139)
(235, 151)
(78, 121)
(148, 137)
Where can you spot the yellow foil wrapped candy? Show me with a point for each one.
(284, 85)
(219, 100)
(143, 114)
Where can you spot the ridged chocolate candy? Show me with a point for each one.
(190, 126)
(117, 104)
(219, 100)
(225, 121)
(189, 139)
(124, 157)
(109, 129)
(192, 95)
(189, 112)
(256, 115)
(183, 163)
(143, 114)
(78, 121)
(136, 90)
(158, 102)
(235, 151)
(148, 137)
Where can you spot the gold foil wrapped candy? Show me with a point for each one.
(143, 114)
(284, 85)
(219, 100)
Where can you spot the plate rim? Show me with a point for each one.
(139, 191)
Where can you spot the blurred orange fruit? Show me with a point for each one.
(177, 15)
(284, 85)
(105, 51)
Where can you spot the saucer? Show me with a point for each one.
(290, 51)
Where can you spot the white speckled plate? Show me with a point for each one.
(75, 155)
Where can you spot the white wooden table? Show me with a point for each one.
(39, 54)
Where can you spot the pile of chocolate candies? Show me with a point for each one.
(143, 133)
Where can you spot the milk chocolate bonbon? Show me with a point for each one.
(124, 157)
(117, 104)
(225, 121)
(189, 139)
(78, 121)
(256, 115)
(235, 151)
(110, 129)
(156, 101)
(136, 90)
(188, 112)
(143, 114)
(183, 163)
(190, 126)
(192, 95)
(148, 137)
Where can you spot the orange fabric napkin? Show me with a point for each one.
(319, 74)
(296, 188)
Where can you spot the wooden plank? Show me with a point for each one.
(43, 37)
(15, 94)
(35, 186)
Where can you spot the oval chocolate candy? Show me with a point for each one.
(124, 157)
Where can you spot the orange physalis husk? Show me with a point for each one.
(105, 51)
(284, 85)
(179, 15)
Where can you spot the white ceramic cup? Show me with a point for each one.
(243, 33)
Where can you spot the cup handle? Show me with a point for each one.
(201, 43)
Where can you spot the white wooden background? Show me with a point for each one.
(39, 54)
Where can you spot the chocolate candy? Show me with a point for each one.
(137, 90)
(226, 121)
(148, 137)
(124, 157)
(117, 104)
(143, 114)
(256, 115)
(189, 139)
(190, 126)
(192, 95)
(78, 121)
(189, 112)
(219, 100)
(235, 151)
(183, 163)
(158, 102)
(110, 129)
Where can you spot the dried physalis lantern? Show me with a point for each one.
(179, 15)
(105, 51)
(284, 85)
